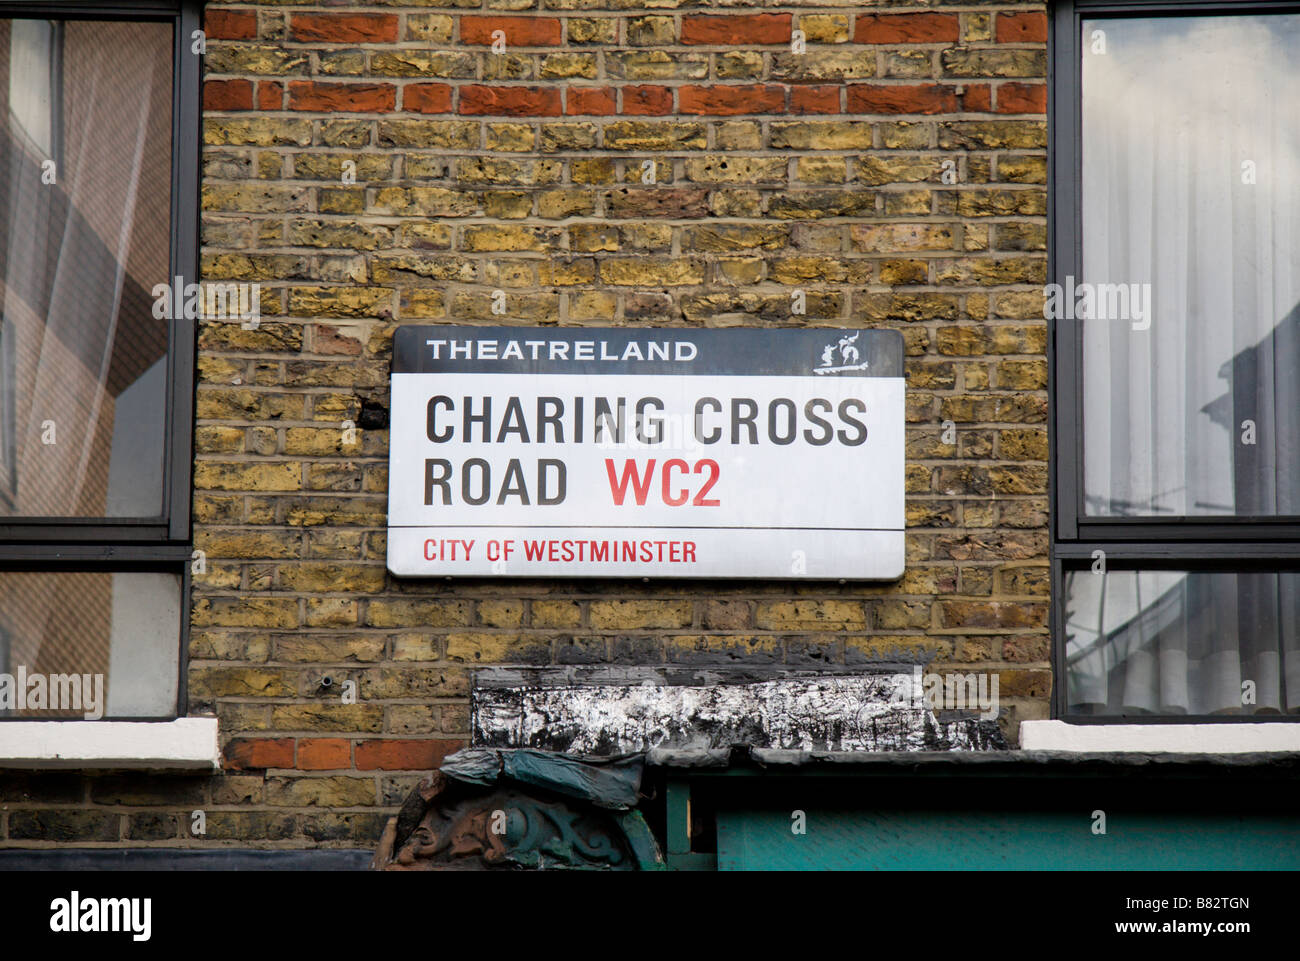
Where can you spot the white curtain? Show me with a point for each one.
(1174, 642)
(1191, 185)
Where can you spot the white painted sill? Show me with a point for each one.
(185, 744)
(1246, 738)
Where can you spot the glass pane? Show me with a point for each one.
(1191, 216)
(1174, 642)
(85, 201)
(118, 633)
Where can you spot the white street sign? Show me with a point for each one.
(654, 452)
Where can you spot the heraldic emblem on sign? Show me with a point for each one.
(848, 356)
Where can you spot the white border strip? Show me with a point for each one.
(187, 743)
(1245, 738)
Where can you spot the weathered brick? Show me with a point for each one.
(902, 98)
(906, 28)
(228, 95)
(237, 58)
(650, 272)
(221, 24)
(824, 28)
(852, 64)
(821, 135)
(817, 98)
(354, 97)
(729, 100)
(343, 27)
(652, 135)
(1028, 27)
(1022, 98)
(323, 754)
(510, 101)
(486, 647)
(427, 97)
(518, 31)
(589, 101)
(403, 755)
(247, 753)
(736, 29)
(815, 615)
(64, 825)
(966, 62)
(640, 614)
(646, 100)
(330, 791)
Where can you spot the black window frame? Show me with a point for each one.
(1241, 545)
(161, 544)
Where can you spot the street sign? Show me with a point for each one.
(655, 452)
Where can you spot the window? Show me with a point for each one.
(98, 204)
(1175, 331)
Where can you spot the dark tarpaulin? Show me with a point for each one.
(611, 783)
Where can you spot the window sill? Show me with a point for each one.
(1251, 738)
(185, 744)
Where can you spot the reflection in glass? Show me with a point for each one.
(85, 199)
(1174, 642)
(122, 626)
(1191, 184)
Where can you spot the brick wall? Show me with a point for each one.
(893, 171)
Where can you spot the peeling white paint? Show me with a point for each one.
(874, 712)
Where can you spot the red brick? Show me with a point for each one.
(1022, 27)
(647, 101)
(753, 28)
(1022, 98)
(427, 97)
(228, 95)
(978, 97)
(392, 755)
(519, 31)
(902, 98)
(477, 99)
(230, 24)
(590, 101)
(816, 99)
(244, 753)
(906, 28)
(270, 95)
(343, 28)
(324, 754)
(349, 97)
(730, 100)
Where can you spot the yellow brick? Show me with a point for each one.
(816, 615)
(627, 615)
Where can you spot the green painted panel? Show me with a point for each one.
(757, 840)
